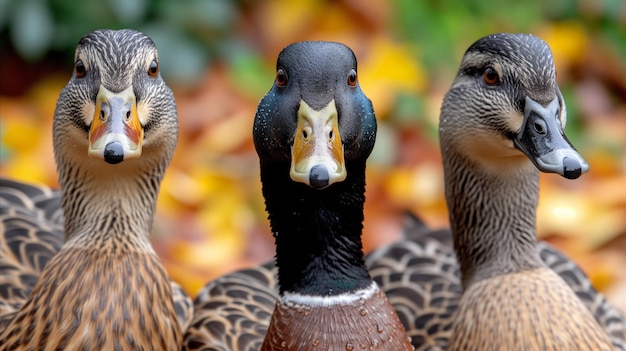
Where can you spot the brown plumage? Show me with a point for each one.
(530, 310)
(501, 120)
(298, 327)
(83, 274)
(422, 280)
(233, 312)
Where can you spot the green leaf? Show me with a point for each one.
(249, 72)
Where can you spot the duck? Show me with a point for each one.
(420, 273)
(421, 277)
(77, 266)
(313, 132)
(501, 123)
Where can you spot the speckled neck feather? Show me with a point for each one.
(511, 299)
(106, 288)
(120, 293)
(492, 217)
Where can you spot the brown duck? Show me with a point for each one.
(80, 273)
(501, 120)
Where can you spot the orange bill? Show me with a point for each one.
(116, 133)
(317, 157)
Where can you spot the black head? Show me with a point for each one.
(315, 117)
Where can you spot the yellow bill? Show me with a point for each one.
(317, 157)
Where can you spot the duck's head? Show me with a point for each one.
(116, 109)
(315, 118)
(505, 100)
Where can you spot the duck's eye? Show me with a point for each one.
(352, 78)
(281, 78)
(491, 76)
(153, 70)
(79, 69)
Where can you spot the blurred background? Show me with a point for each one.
(219, 58)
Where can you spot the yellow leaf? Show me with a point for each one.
(419, 185)
(284, 19)
(31, 167)
(387, 69)
(568, 41)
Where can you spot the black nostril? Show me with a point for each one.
(102, 116)
(114, 152)
(319, 177)
(539, 128)
(128, 115)
(571, 168)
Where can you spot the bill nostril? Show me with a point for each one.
(539, 127)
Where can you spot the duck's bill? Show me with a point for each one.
(317, 157)
(541, 139)
(116, 133)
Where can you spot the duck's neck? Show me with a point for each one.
(317, 232)
(110, 207)
(492, 216)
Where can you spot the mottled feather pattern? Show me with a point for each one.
(31, 227)
(481, 210)
(106, 56)
(420, 276)
(138, 304)
(609, 317)
(511, 300)
(421, 279)
(234, 311)
(525, 61)
(106, 288)
(512, 305)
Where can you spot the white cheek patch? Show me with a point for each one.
(88, 111)
(563, 115)
(514, 121)
(143, 112)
